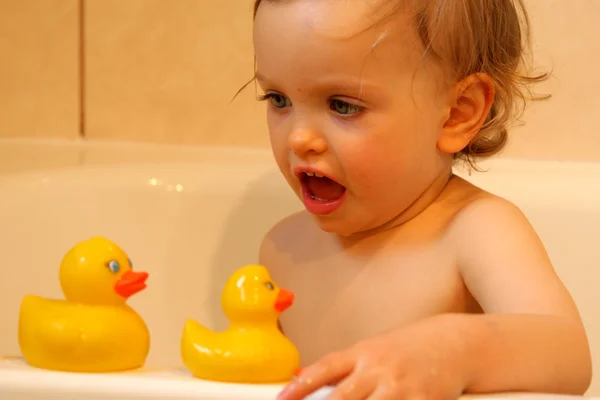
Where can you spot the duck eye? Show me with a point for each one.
(114, 266)
(270, 286)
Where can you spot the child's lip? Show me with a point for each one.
(319, 207)
(312, 205)
(300, 171)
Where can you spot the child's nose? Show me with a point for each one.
(303, 141)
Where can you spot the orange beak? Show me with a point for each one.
(285, 298)
(130, 283)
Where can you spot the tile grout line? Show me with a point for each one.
(81, 4)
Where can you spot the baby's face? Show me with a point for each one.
(361, 109)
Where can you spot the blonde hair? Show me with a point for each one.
(477, 36)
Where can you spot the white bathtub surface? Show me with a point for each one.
(19, 382)
(190, 216)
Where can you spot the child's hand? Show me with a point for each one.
(424, 361)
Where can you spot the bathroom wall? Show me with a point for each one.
(166, 71)
(163, 70)
(39, 68)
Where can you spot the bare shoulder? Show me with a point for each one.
(285, 236)
(294, 226)
(474, 208)
(502, 260)
(486, 217)
(487, 212)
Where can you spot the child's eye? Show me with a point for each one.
(278, 100)
(344, 108)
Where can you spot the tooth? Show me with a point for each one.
(310, 173)
(318, 175)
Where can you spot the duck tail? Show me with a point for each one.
(194, 338)
(193, 328)
(35, 331)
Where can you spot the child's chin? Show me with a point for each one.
(338, 226)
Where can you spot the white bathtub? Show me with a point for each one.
(190, 216)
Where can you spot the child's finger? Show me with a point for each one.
(382, 393)
(357, 386)
(328, 370)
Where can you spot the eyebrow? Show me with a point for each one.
(346, 85)
(360, 86)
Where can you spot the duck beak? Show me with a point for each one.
(130, 283)
(285, 298)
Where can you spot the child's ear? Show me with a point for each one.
(470, 103)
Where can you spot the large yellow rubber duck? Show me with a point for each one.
(252, 349)
(93, 330)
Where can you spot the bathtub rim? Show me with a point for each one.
(172, 384)
(163, 153)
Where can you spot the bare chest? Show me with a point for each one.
(344, 296)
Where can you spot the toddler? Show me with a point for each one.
(411, 283)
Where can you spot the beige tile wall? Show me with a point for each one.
(165, 71)
(39, 68)
(566, 40)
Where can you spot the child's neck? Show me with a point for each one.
(427, 198)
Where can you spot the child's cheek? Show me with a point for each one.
(370, 166)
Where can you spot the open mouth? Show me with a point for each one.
(321, 195)
(322, 188)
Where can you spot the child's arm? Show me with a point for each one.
(531, 338)
(525, 353)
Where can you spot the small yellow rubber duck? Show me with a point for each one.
(93, 330)
(252, 349)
